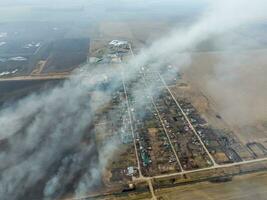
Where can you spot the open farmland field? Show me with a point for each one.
(244, 187)
(221, 97)
(241, 188)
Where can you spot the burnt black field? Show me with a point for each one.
(66, 54)
(79, 150)
(12, 91)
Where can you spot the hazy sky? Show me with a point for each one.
(97, 9)
(56, 2)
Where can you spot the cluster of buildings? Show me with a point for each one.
(113, 52)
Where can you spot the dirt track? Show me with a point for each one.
(37, 77)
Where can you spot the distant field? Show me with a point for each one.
(16, 56)
(24, 44)
(21, 57)
(139, 33)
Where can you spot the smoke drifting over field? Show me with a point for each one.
(238, 84)
(46, 130)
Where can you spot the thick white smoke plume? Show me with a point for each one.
(221, 17)
(46, 130)
(239, 103)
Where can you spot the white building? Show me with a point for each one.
(119, 44)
